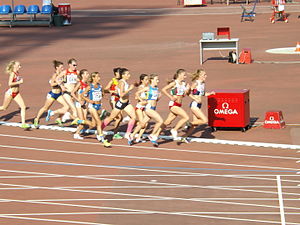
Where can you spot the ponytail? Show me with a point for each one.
(10, 67)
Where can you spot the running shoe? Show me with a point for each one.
(185, 140)
(49, 114)
(75, 122)
(106, 144)
(117, 136)
(25, 126)
(174, 134)
(129, 139)
(77, 136)
(59, 122)
(36, 123)
(66, 117)
(155, 143)
(100, 138)
(139, 140)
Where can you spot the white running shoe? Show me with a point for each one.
(174, 134)
(100, 138)
(77, 136)
(66, 117)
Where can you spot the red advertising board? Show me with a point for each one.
(229, 108)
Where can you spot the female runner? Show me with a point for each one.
(93, 95)
(140, 106)
(197, 91)
(14, 82)
(152, 97)
(122, 104)
(70, 78)
(52, 96)
(111, 87)
(178, 89)
(80, 103)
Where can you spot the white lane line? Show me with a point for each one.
(156, 199)
(25, 177)
(145, 147)
(50, 220)
(148, 158)
(76, 213)
(156, 183)
(201, 140)
(145, 213)
(129, 180)
(154, 196)
(146, 187)
(156, 212)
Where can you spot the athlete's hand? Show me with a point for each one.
(131, 87)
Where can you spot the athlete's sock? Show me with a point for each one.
(104, 124)
(130, 125)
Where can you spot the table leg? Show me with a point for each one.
(201, 54)
(237, 52)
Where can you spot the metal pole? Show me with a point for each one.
(280, 200)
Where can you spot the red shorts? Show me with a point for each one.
(12, 94)
(114, 98)
(172, 103)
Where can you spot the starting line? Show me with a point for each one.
(199, 140)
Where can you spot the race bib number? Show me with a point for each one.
(119, 104)
(72, 79)
(97, 96)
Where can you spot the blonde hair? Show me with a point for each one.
(197, 74)
(10, 66)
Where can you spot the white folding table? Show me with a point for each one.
(218, 44)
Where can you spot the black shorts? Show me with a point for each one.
(121, 105)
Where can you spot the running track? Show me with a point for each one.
(48, 178)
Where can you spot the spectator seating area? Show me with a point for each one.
(22, 16)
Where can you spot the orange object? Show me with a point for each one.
(274, 120)
(245, 57)
(297, 47)
(223, 31)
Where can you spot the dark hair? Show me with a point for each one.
(142, 77)
(152, 76)
(175, 76)
(117, 69)
(92, 76)
(70, 61)
(122, 72)
(57, 63)
(81, 73)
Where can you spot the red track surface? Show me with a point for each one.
(187, 184)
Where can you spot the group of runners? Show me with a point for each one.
(81, 94)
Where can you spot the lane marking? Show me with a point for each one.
(145, 213)
(200, 140)
(87, 165)
(160, 212)
(161, 183)
(153, 196)
(145, 158)
(151, 148)
(51, 220)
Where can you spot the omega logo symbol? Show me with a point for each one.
(226, 110)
